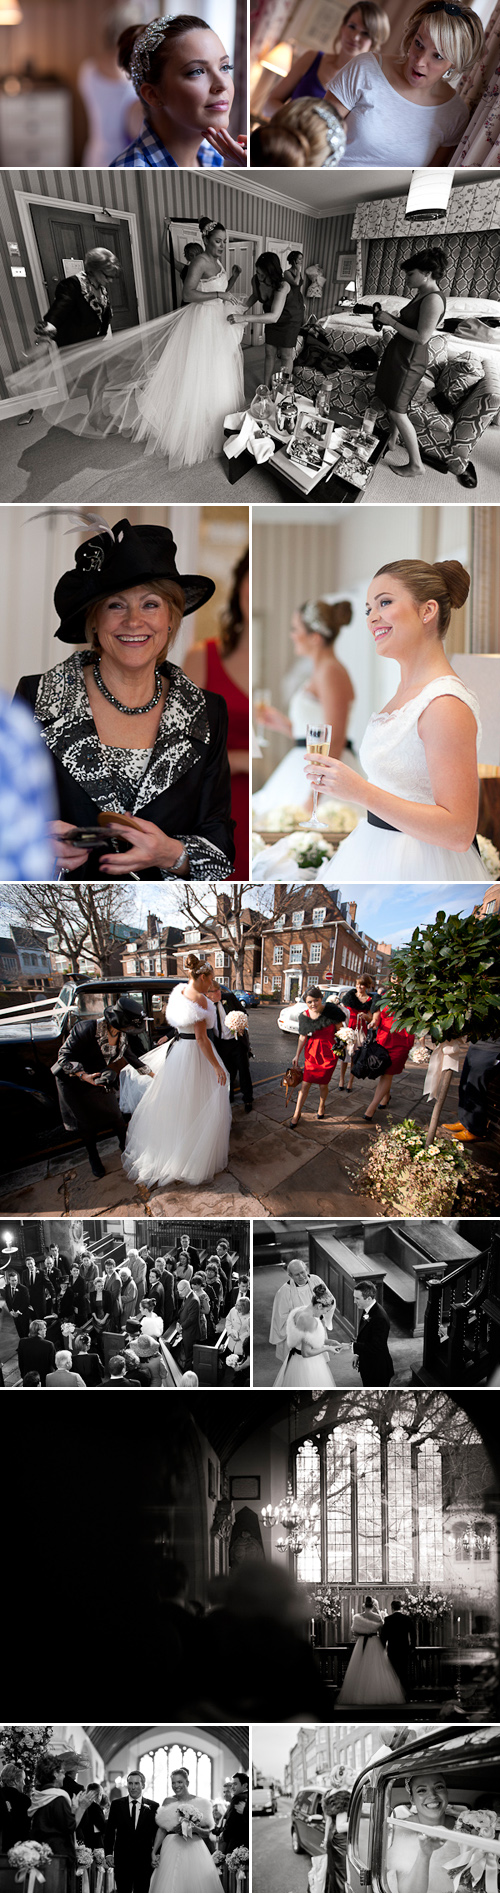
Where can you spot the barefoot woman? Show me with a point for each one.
(406, 358)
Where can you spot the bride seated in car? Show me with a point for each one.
(420, 1857)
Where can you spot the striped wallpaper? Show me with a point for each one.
(152, 196)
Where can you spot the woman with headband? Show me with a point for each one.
(182, 74)
(420, 752)
(401, 110)
(326, 694)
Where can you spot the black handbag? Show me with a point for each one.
(371, 1060)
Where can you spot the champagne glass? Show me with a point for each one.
(261, 700)
(318, 740)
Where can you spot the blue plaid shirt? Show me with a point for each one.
(147, 149)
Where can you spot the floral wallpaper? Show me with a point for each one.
(472, 207)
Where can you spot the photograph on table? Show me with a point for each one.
(376, 694)
(130, 671)
(90, 84)
(160, 1807)
(145, 1060)
(393, 1806)
(382, 1304)
(254, 1529)
(123, 1303)
(163, 338)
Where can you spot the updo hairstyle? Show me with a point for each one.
(447, 581)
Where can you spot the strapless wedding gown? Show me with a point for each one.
(288, 785)
(393, 758)
(305, 1371)
(184, 1867)
(180, 1129)
(197, 381)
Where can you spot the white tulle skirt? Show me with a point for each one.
(305, 1371)
(371, 854)
(169, 383)
(179, 1132)
(370, 1677)
(185, 1868)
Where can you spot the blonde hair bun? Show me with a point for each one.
(456, 579)
(195, 966)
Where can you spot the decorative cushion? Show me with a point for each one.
(461, 374)
(306, 380)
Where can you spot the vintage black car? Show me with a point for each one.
(30, 1038)
(464, 1760)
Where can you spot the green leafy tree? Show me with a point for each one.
(447, 981)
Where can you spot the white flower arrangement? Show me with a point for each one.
(489, 857)
(237, 1023)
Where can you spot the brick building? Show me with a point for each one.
(247, 928)
(490, 903)
(319, 1750)
(25, 960)
(313, 940)
(153, 951)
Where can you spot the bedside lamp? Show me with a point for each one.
(278, 60)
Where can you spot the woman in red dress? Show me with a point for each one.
(318, 1026)
(398, 1044)
(221, 665)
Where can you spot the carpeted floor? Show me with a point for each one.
(434, 488)
(44, 462)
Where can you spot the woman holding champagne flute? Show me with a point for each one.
(326, 695)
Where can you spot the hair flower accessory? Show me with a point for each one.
(145, 45)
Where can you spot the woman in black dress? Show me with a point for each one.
(283, 307)
(406, 358)
(357, 1000)
(53, 1822)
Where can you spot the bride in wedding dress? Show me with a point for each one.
(306, 1361)
(168, 383)
(370, 1677)
(421, 751)
(179, 1130)
(184, 1863)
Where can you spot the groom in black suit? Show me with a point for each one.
(370, 1350)
(129, 1837)
(398, 1635)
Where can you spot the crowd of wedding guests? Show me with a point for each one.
(63, 1815)
(78, 1327)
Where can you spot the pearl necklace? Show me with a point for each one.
(136, 710)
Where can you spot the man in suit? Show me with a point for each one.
(42, 1292)
(188, 1318)
(129, 1837)
(157, 1294)
(398, 1635)
(87, 1363)
(167, 1279)
(234, 1052)
(117, 1377)
(185, 1252)
(64, 1375)
(370, 1350)
(16, 1299)
(35, 1353)
(80, 309)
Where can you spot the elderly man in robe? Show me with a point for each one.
(296, 1293)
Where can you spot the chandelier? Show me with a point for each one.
(301, 1524)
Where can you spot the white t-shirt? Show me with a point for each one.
(383, 128)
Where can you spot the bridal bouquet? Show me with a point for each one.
(237, 1023)
(187, 1816)
(100, 1865)
(28, 1857)
(84, 1861)
(238, 1863)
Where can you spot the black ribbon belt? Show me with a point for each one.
(377, 823)
(301, 744)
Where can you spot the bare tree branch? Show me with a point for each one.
(230, 932)
(82, 918)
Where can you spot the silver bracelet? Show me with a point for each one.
(180, 862)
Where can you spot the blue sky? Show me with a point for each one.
(391, 912)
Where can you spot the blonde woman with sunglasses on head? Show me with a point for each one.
(403, 110)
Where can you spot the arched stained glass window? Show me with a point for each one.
(308, 1488)
(399, 1509)
(338, 1499)
(430, 1512)
(368, 1455)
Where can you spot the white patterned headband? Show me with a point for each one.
(312, 621)
(336, 134)
(146, 44)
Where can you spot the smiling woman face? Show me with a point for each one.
(430, 1796)
(196, 87)
(133, 627)
(394, 618)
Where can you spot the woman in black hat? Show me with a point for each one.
(138, 749)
